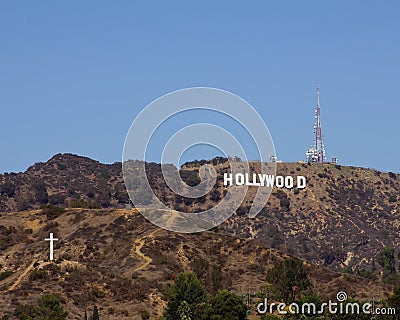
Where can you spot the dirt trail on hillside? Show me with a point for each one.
(157, 301)
(139, 243)
(22, 276)
(174, 215)
(41, 264)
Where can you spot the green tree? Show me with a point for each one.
(184, 311)
(41, 192)
(52, 212)
(186, 288)
(216, 279)
(226, 306)
(51, 308)
(48, 308)
(309, 312)
(394, 299)
(7, 188)
(386, 259)
(288, 279)
(95, 315)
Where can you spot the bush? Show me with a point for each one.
(280, 194)
(95, 315)
(394, 300)
(52, 212)
(392, 175)
(7, 188)
(61, 166)
(288, 278)
(144, 313)
(187, 288)
(41, 192)
(226, 306)
(190, 177)
(322, 175)
(57, 199)
(285, 204)
(386, 259)
(49, 307)
(5, 274)
(38, 274)
(215, 195)
(84, 204)
(120, 194)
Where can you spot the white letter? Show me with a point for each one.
(288, 182)
(322, 308)
(269, 179)
(247, 183)
(239, 179)
(265, 304)
(332, 304)
(226, 179)
(301, 182)
(366, 307)
(279, 182)
(271, 307)
(311, 308)
(352, 306)
(281, 308)
(296, 310)
(255, 183)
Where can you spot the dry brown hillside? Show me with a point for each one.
(344, 226)
(117, 260)
(344, 217)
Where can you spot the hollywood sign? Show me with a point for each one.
(264, 180)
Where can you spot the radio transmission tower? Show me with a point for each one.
(317, 152)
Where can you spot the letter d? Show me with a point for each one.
(265, 304)
(301, 182)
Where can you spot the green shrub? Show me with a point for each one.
(186, 288)
(288, 279)
(38, 274)
(5, 274)
(84, 204)
(392, 175)
(7, 188)
(52, 212)
(190, 177)
(49, 307)
(144, 313)
(226, 306)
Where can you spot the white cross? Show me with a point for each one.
(51, 239)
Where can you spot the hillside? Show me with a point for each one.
(344, 226)
(118, 261)
(63, 180)
(344, 217)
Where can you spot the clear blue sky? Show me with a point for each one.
(74, 74)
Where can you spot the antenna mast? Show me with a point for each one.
(317, 152)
